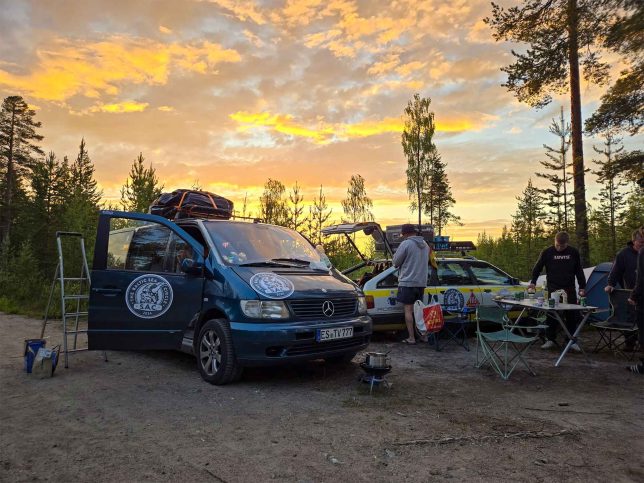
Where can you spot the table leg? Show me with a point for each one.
(572, 339)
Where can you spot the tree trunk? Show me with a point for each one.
(8, 194)
(581, 218)
(565, 175)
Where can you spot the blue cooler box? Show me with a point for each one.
(31, 349)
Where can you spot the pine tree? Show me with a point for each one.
(81, 213)
(557, 195)
(296, 208)
(45, 208)
(528, 226)
(319, 214)
(273, 208)
(83, 185)
(611, 197)
(141, 188)
(18, 149)
(561, 34)
(357, 205)
(418, 145)
(438, 200)
(622, 106)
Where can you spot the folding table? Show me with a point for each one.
(555, 312)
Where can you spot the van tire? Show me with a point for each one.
(216, 354)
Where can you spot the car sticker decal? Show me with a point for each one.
(149, 296)
(271, 285)
(453, 299)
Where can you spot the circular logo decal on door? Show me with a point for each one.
(453, 299)
(271, 285)
(149, 296)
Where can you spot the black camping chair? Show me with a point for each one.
(455, 328)
(620, 327)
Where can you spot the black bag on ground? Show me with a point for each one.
(192, 204)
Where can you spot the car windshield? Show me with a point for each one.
(240, 243)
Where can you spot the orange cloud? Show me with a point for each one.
(67, 69)
(325, 133)
(126, 106)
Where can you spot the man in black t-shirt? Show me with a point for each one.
(562, 263)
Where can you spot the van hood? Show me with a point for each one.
(304, 283)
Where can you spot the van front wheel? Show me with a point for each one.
(216, 353)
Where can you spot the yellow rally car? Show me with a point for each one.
(454, 282)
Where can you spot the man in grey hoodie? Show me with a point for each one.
(412, 260)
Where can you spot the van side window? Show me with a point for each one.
(138, 246)
(147, 249)
(117, 248)
(179, 250)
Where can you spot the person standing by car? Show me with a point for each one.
(412, 260)
(562, 263)
(623, 274)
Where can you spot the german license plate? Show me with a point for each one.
(336, 333)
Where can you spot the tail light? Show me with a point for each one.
(370, 302)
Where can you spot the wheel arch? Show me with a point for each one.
(211, 313)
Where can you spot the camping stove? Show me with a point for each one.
(375, 375)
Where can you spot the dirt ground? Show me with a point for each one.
(148, 416)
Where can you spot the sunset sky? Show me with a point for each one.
(232, 92)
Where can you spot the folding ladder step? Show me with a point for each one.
(76, 297)
(80, 331)
(74, 279)
(74, 314)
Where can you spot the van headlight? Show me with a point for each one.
(362, 305)
(264, 309)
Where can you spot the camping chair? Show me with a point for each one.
(619, 327)
(455, 328)
(502, 349)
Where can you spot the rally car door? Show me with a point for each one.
(455, 287)
(142, 294)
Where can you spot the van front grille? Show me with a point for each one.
(322, 347)
(320, 308)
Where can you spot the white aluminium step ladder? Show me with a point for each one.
(74, 296)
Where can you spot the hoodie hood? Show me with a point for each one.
(418, 240)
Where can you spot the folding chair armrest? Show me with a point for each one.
(601, 311)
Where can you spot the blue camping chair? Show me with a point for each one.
(502, 349)
(620, 327)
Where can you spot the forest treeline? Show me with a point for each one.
(43, 192)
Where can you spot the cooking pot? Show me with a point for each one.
(377, 359)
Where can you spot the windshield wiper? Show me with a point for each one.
(267, 263)
(292, 260)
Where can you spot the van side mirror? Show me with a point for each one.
(189, 266)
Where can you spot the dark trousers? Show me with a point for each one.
(639, 319)
(570, 317)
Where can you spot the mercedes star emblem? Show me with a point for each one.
(328, 308)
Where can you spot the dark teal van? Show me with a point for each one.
(232, 293)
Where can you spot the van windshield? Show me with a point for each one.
(240, 243)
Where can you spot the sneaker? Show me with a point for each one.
(637, 368)
(548, 345)
(575, 348)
